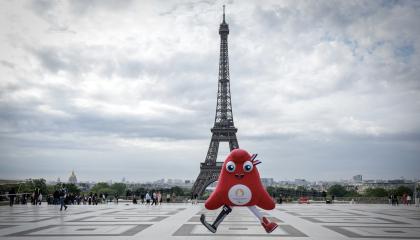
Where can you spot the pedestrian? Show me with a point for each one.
(142, 198)
(168, 197)
(56, 197)
(408, 199)
(154, 198)
(24, 199)
(404, 199)
(40, 198)
(196, 199)
(12, 195)
(159, 198)
(148, 198)
(173, 199)
(63, 195)
(417, 198)
(95, 199)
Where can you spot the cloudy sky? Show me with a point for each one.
(322, 90)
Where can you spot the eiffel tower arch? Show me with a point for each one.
(224, 129)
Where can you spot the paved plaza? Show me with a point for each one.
(181, 221)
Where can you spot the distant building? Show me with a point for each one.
(267, 182)
(72, 178)
(301, 182)
(358, 178)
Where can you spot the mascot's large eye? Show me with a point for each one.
(248, 166)
(230, 166)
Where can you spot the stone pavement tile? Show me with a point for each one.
(376, 232)
(357, 220)
(253, 230)
(119, 218)
(181, 221)
(83, 230)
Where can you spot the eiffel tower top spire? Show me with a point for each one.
(224, 116)
(223, 13)
(224, 27)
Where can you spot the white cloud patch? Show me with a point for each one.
(115, 81)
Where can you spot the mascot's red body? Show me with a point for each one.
(239, 184)
(239, 176)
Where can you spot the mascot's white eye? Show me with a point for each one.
(248, 166)
(230, 166)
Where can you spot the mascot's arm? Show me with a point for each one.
(266, 202)
(214, 201)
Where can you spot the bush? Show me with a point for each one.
(376, 192)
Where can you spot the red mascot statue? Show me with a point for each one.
(239, 185)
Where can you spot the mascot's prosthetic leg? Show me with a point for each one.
(239, 184)
(213, 227)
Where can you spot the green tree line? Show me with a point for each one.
(337, 191)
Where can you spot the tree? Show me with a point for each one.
(119, 188)
(177, 190)
(71, 188)
(30, 185)
(301, 191)
(402, 189)
(271, 190)
(376, 192)
(352, 193)
(337, 190)
(99, 186)
(103, 188)
(139, 191)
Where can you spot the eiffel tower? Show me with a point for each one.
(223, 130)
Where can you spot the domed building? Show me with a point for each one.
(72, 178)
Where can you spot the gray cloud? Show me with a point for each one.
(329, 87)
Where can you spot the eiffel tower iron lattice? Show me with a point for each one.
(223, 130)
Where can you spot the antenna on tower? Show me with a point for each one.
(223, 13)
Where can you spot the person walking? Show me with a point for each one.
(12, 195)
(154, 198)
(404, 199)
(417, 198)
(56, 196)
(168, 197)
(148, 198)
(95, 199)
(159, 198)
(63, 195)
(142, 198)
(39, 198)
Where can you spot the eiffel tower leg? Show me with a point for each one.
(213, 227)
(233, 143)
(199, 184)
(206, 176)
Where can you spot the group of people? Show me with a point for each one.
(406, 199)
(74, 199)
(153, 198)
(35, 198)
